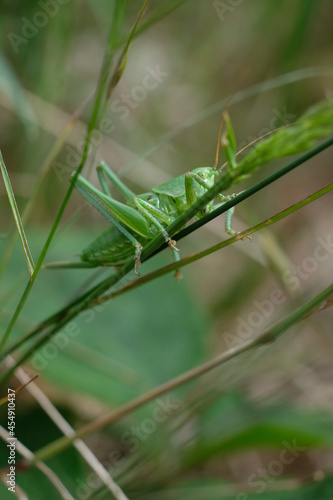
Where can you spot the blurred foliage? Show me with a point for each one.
(233, 422)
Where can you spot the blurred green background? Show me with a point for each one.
(235, 422)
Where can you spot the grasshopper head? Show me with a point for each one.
(207, 174)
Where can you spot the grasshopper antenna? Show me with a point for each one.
(219, 140)
(238, 83)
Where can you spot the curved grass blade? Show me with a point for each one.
(39, 182)
(173, 267)
(119, 70)
(270, 335)
(98, 108)
(45, 331)
(225, 181)
(193, 258)
(240, 96)
(163, 11)
(313, 125)
(17, 217)
(45, 469)
(255, 188)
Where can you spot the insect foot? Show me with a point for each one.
(172, 244)
(169, 241)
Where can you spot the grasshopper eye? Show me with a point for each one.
(151, 197)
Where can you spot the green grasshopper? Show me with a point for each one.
(145, 215)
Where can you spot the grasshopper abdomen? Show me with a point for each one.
(111, 248)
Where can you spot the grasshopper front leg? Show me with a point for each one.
(154, 215)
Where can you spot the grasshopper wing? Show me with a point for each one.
(174, 188)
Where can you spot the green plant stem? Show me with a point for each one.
(267, 336)
(117, 74)
(222, 184)
(257, 187)
(101, 89)
(193, 258)
(41, 177)
(164, 10)
(85, 301)
(240, 96)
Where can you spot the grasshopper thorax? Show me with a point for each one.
(207, 174)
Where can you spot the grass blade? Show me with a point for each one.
(99, 107)
(157, 16)
(64, 315)
(159, 272)
(204, 253)
(39, 182)
(240, 96)
(270, 335)
(17, 217)
(124, 55)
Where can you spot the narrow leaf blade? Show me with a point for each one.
(17, 217)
